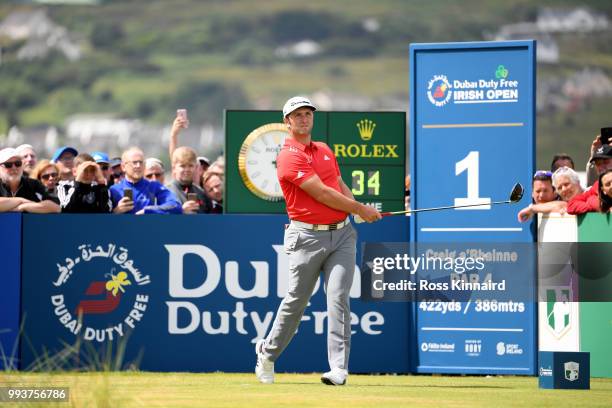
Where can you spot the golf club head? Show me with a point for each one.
(517, 193)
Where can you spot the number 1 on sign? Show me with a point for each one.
(470, 164)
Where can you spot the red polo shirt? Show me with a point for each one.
(295, 164)
(585, 202)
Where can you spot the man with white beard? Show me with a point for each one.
(19, 193)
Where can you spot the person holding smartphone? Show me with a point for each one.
(186, 171)
(602, 139)
(180, 122)
(148, 197)
(191, 196)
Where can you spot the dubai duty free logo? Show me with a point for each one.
(100, 294)
(439, 90)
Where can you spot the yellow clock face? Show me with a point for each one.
(257, 160)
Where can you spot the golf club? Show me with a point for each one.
(515, 197)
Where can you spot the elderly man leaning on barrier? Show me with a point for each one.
(19, 193)
(134, 194)
(567, 184)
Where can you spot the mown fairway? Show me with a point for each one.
(137, 389)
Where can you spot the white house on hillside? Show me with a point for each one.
(41, 35)
(579, 19)
(21, 25)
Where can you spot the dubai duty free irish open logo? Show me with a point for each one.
(439, 90)
(100, 294)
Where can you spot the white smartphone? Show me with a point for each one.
(182, 113)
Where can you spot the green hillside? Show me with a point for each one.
(142, 59)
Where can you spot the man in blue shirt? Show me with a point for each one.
(148, 197)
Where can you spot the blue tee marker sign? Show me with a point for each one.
(472, 119)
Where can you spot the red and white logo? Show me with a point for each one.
(439, 90)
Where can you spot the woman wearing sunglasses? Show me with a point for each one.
(19, 193)
(48, 174)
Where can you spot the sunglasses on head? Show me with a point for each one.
(16, 163)
(48, 176)
(542, 173)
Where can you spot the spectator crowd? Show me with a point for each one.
(559, 190)
(79, 182)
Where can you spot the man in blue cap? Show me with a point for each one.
(104, 162)
(64, 158)
(116, 173)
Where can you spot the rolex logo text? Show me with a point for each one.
(366, 131)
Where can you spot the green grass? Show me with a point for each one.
(139, 389)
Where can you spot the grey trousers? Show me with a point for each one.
(310, 252)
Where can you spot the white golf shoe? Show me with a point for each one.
(264, 370)
(336, 376)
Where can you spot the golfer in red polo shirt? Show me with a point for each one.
(319, 238)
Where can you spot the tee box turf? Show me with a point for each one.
(564, 370)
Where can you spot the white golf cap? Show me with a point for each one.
(23, 147)
(295, 103)
(8, 153)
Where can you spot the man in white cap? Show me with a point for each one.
(319, 238)
(19, 193)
